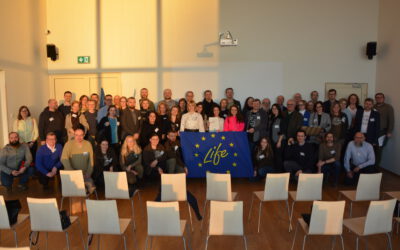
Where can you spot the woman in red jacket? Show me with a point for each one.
(235, 120)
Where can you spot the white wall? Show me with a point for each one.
(284, 47)
(388, 74)
(23, 55)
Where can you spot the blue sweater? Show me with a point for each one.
(46, 160)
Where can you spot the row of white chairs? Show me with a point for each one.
(219, 189)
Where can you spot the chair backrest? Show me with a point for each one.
(102, 217)
(163, 218)
(4, 222)
(116, 185)
(44, 215)
(226, 218)
(309, 187)
(327, 217)
(14, 248)
(72, 184)
(218, 187)
(379, 217)
(368, 187)
(276, 187)
(173, 187)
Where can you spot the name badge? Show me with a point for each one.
(176, 147)
(302, 154)
(305, 119)
(165, 118)
(51, 119)
(258, 117)
(372, 119)
(161, 153)
(74, 115)
(316, 120)
(156, 130)
(343, 119)
(333, 152)
(117, 123)
(85, 153)
(139, 118)
(276, 126)
(261, 157)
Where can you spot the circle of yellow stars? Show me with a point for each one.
(234, 164)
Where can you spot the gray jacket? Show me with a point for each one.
(11, 158)
(325, 121)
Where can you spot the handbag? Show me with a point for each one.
(65, 220)
(13, 208)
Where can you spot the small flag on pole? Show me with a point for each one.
(102, 96)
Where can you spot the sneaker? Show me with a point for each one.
(23, 187)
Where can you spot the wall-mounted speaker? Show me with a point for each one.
(371, 50)
(52, 52)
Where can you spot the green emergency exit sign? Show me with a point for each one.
(83, 59)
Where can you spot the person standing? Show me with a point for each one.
(208, 103)
(91, 118)
(110, 129)
(51, 120)
(26, 127)
(15, 161)
(144, 95)
(292, 121)
(48, 160)
(314, 96)
(256, 124)
(78, 155)
(235, 121)
(65, 108)
(280, 100)
(168, 99)
(131, 120)
(386, 114)
(229, 94)
(266, 105)
(75, 120)
(331, 100)
(104, 110)
(192, 121)
(319, 119)
(368, 122)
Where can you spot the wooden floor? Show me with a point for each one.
(274, 223)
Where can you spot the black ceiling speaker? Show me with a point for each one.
(371, 50)
(52, 52)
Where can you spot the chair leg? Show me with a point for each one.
(295, 233)
(291, 216)
(333, 242)
(288, 213)
(245, 242)
(189, 237)
(304, 241)
(351, 209)
(47, 240)
(184, 242)
(98, 242)
(251, 206)
(124, 238)
(133, 214)
(15, 238)
(145, 243)
(259, 216)
(81, 233)
(208, 236)
(151, 243)
(204, 214)
(61, 204)
(357, 243)
(341, 237)
(67, 238)
(389, 241)
(190, 216)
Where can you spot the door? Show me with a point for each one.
(3, 111)
(84, 84)
(345, 89)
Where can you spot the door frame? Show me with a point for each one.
(3, 111)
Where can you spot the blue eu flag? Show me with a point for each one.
(216, 152)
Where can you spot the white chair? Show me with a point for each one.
(45, 217)
(378, 221)
(173, 188)
(18, 248)
(226, 218)
(309, 188)
(73, 185)
(5, 223)
(103, 219)
(163, 220)
(368, 189)
(116, 187)
(326, 219)
(276, 189)
(395, 195)
(218, 189)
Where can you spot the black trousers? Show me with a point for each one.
(371, 169)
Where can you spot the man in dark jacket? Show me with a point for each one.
(256, 124)
(368, 122)
(51, 120)
(173, 149)
(208, 103)
(331, 100)
(231, 101)
(300, 157)
(293, 121)
(131, 120)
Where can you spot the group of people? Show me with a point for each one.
(301, 137)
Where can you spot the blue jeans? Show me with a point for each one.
(7, 180)
(332, 168)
